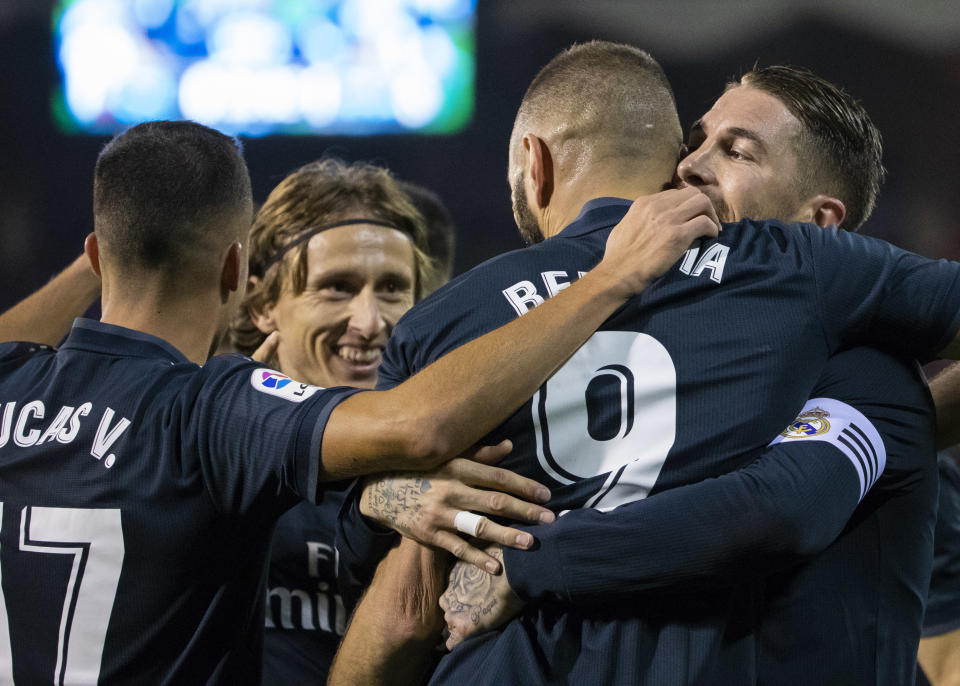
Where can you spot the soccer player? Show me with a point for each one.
(345, 288)
(698, 354)
(337, 254)
(138, 489)
(868, 590)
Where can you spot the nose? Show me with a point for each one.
(694, 169)
(365, 316)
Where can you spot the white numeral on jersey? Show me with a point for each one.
(611, 409)
(6, 653)
(94, 537)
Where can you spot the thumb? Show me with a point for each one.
(489, 454)
(268, 349)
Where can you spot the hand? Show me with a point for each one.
(475, 602)
(267, 352)
(423, 506)
(654, 233)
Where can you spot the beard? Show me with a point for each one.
(724, 213)
(522, 214)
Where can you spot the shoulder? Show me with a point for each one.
(19, 360)
(233, 386)
(475, 289)
(871, 377)
(21, 350)
(789, 235)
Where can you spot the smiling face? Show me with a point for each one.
(360, 280)
(743, 156)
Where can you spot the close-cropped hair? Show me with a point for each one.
(839, 148)
(166, 191)
(611, 96)
(315, 195)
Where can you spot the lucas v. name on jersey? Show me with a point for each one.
(30, 427)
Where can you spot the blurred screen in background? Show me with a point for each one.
(258, 67)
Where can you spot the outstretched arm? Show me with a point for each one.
(453, 403)
(499, 372)
(46, 316)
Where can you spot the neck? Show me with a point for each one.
(188, 324)
(570, 197)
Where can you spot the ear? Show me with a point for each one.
(230, 272)
(92, 250)
(826, 210)
(541, 169)
(260, 315)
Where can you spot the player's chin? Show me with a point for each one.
(358, 375)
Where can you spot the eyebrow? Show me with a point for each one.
(735, 131)
(738, 132)
(351, 275)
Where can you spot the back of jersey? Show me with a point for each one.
(135, 523)
(100, 520)
(689, 380)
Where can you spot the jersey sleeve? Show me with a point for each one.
(943, 600)
(873, 293)
(257, 434)
(792, 502)
(396, 365)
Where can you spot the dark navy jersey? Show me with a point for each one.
(305, 613)
(853, 614)
(943, 601)
(855, 607)
(690, 379)
(138, 492)
(690, 366)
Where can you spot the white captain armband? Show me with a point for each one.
(845, 428)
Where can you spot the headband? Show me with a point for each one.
(309, 233)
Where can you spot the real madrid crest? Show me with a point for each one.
(810, 423)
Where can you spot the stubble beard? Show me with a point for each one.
(522, 214)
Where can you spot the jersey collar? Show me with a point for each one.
(91, 335)
(599, 213)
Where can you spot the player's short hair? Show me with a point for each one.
(613, 97)
(839, 149)
(166, 193)
(441, 231)
(319, 193)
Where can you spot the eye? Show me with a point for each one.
(735, 154)
(394, 289)
(335, 289)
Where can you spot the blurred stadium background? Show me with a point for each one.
(452, 73)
